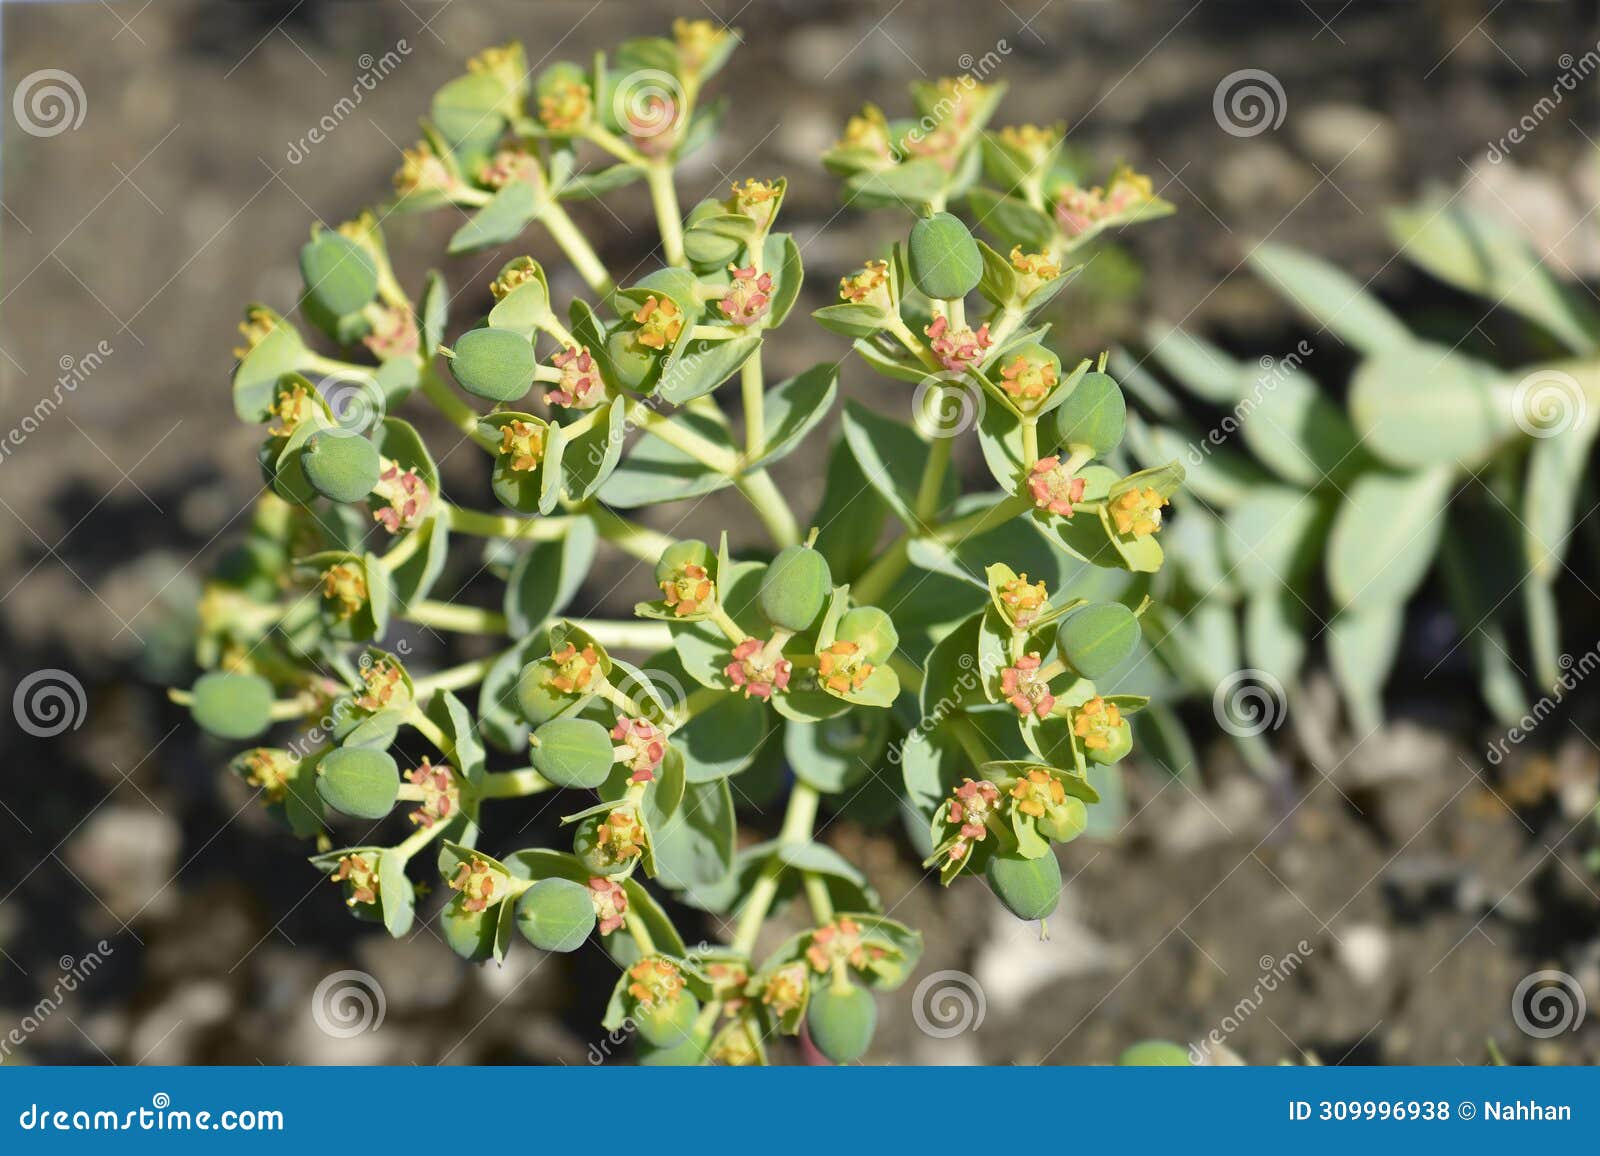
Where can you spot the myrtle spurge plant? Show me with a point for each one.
(951, 678)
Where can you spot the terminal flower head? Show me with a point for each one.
(1028, 380)
(422, 171)
(359, 876)
(477, 883)
(647, 744)
(757, 200)
(344, 585)
(843, 667)
(868, 287)
(610, 903)
(1095, 722)
(522, 445)
(580, 386)
(1137, 511)
(1022, 600)
(660, 321)
(749, 296)
(575, 669)
(968, 810)
(755, 673)
(565, 107)
(1053, 488)
(957, 349)
(405, 498)
(441, 797)
(385, 686)
(1024, 687)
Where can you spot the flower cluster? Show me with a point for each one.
(815, 648)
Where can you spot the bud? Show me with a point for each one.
(795, 587)
(1029, 888)
(840, 1020)
(945, 261)
(555, 914)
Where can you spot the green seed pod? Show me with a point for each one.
(1092, 415)
(1154, 1054)
(945, 261)
(1099, 638)
(340, 276)
(341, 467)
(872, 630)
(841, 1021)
(556, 914)
(668, 1023)
(232, 706)
(362, 782)
(1029, 888)
(633, 363)
(689, 552)
(572, 752)
(495, 364)
(705, 248)
(795, 587)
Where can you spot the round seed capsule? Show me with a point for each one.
(556, 914)
(1154, 1054)
(496, 364)
(572, 752)
(1029, 888)
(668, 1024)
(945, 261)
(340, 467)
(795, 587)
(232, 706)
(841, 1021)
(359, 781)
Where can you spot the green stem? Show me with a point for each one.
(429, 730)
(577, 248)
(641, 934)
(460, 619)
(880, 577)
(817, 895)
(981, 522)
(669, 218)
(643, 415)
(488, 525)
(1030, 443)
(416, 841)
(642, 542)
(770, 507)
(455, 677)
(643, 636)
(798, 820)
(752, 384)
(457, 412)
(513, 784)
(932, 484)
